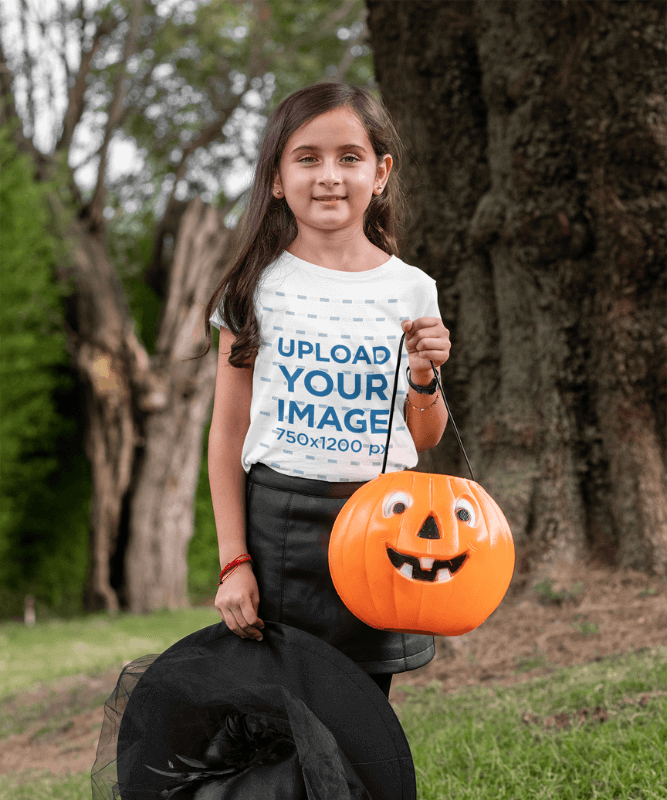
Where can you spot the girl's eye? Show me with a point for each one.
(464, 511)
(352, 159)
(306, 159)
(396, 503)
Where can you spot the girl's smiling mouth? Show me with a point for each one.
(329, 198)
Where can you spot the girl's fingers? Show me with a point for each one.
(431, 344)
(253, 623)
(238, 624)
(433, 351)
(429, 337)
(238, 603)
(247, 618)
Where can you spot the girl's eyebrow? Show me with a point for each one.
(343, 147)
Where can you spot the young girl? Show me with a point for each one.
(310, 316)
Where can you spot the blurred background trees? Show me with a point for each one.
(128, 114)
(128, 131)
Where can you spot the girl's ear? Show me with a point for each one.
(277, 187)
(382, 173)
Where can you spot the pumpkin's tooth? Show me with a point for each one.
(406, 570)
(426, 563)
(443, 575)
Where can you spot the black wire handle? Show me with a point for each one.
(393, 401)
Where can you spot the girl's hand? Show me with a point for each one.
(237, 601)
(426, 339)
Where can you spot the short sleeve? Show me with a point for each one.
(216, 319)
(432, 308)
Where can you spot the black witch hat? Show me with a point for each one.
(217, 717)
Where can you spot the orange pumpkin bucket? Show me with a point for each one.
(420, 553)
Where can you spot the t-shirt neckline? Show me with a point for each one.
(336, 274)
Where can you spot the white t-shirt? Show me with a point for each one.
(324, 371)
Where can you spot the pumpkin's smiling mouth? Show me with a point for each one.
(430, 570)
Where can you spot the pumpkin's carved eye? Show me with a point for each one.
(396, 503)
(464, 511)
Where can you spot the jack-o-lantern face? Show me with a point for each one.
(421, 553)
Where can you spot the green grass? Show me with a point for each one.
(524, 742)
(57, 648)
(527, 743)
(46, 787)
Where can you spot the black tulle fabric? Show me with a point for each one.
(185, 727)
(104, 774)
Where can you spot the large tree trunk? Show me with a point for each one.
(110, 360)
(161, 514)
(145, 415)
(539, 128)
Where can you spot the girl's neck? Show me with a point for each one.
(344, 253)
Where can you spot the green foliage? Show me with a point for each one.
(595, 731)
(43, 476)
(204, 77)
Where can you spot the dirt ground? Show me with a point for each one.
(583, 615)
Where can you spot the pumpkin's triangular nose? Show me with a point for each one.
(429, 530)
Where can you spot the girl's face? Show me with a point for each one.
(329, 173)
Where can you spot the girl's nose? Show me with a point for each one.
(330, 175)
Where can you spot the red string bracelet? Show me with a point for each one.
(229, 568)
(229, 574)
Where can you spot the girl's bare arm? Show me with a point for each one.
(237, 599)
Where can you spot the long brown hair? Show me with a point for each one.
(268, 226)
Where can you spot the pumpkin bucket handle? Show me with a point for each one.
(393, 401)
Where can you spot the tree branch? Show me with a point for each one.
(347, 57)
(62, 12)
(96, 205)
(330, 22)
(127, 110)
(154, 275)
(75, 102)
(28, 67)
(261, 13)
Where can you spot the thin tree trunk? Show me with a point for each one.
(540, 131)
(166, 474)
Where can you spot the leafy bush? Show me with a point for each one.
(44, 482)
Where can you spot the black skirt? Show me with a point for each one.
(288, 525)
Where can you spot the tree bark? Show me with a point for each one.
(111, 363)
(161, 515)
(540, 131)
(145, 414)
